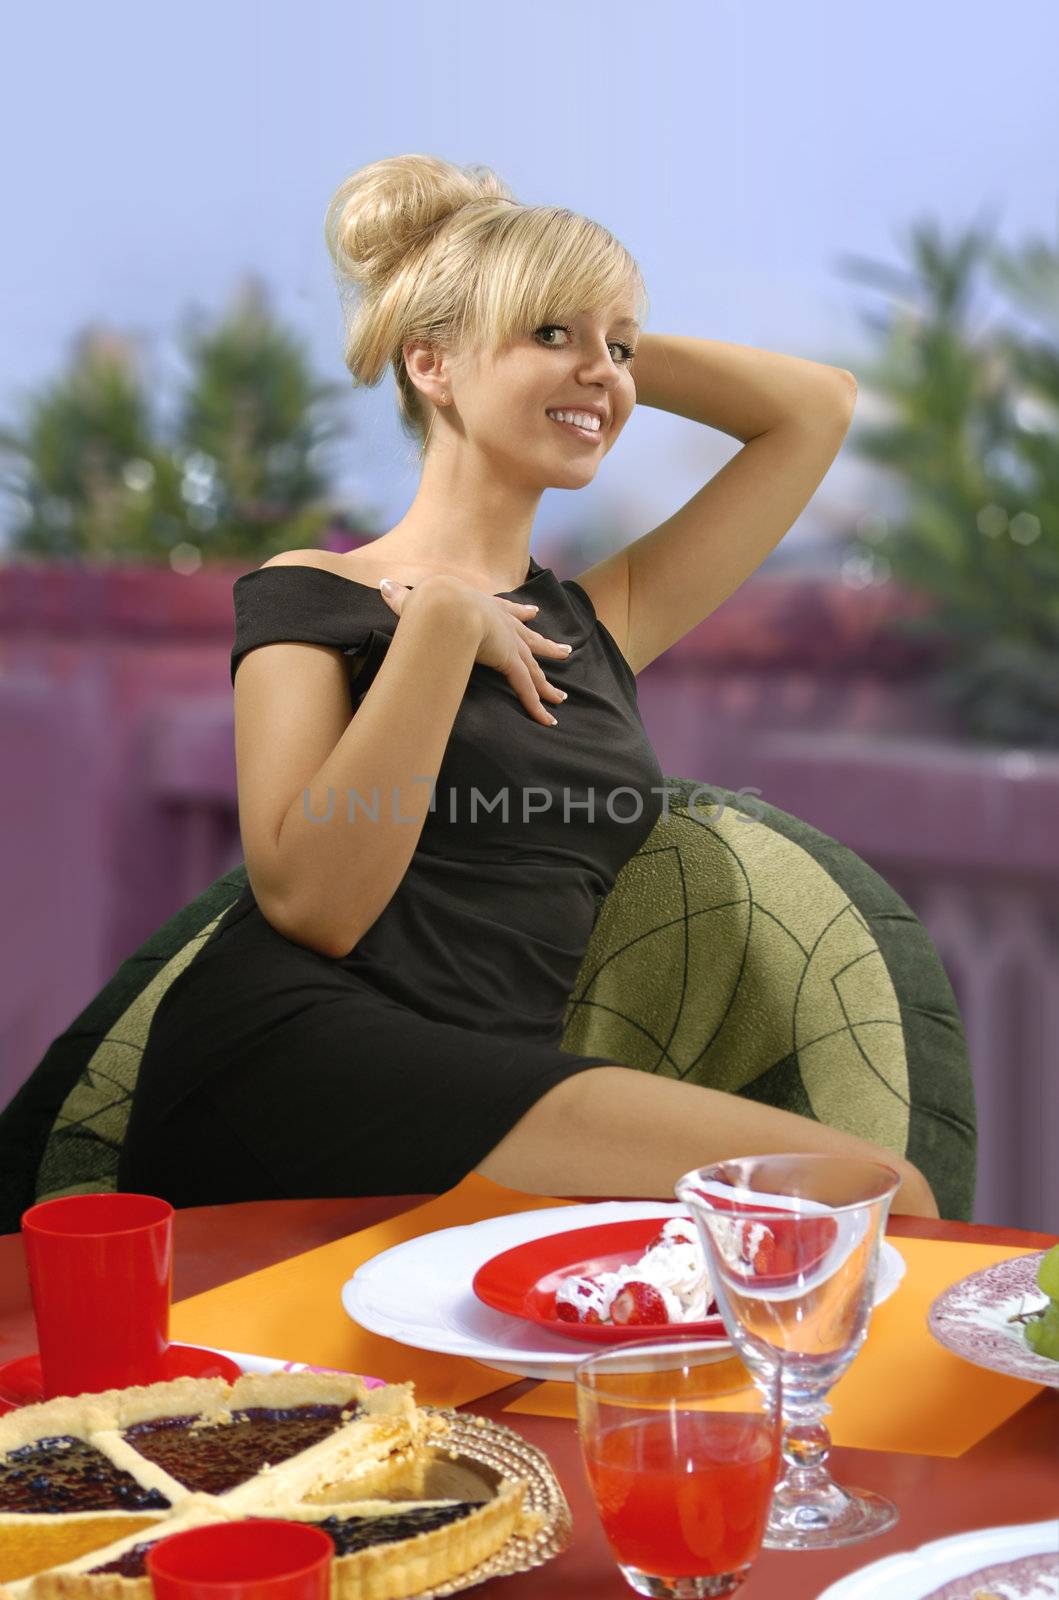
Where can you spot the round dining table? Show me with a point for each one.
(1010, 1476)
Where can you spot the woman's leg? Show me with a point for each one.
(618, 1131)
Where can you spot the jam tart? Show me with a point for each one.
(88, 1484)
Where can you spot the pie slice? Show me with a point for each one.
(389, 1551)
(60, 1495)
(323, 1429)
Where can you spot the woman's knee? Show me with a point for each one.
(562, 1143)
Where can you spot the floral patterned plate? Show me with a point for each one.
(1010, 1563)
(973, 1318)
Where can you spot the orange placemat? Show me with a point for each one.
(293, 1311)
(904, 1391)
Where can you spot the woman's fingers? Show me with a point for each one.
(541, 642)
(540, 681)
(537, 671)
(531, 685)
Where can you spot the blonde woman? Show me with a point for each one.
(438, 775)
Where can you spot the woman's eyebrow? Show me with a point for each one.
(619, 322)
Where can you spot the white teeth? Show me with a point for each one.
(582, 419)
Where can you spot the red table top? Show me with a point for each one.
(1009, 1477)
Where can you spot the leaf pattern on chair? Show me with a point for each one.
(725, 949)
(81, 1155)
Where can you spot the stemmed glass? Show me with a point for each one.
(792, 1246)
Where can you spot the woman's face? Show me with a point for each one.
(499, 406)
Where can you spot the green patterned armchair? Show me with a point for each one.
(739, 948)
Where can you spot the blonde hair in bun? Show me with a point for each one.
(423, 249)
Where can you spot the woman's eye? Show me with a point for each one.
(627, 352)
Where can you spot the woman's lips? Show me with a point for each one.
(593, 437)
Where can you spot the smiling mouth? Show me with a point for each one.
(593, 435)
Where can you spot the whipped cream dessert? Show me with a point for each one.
(669, 1283)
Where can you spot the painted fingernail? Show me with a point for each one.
(554, 720)
(562, 694)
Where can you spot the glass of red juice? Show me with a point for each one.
(681, 1450)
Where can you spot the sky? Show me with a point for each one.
(739, 151)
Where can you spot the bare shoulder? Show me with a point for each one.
(304, 558)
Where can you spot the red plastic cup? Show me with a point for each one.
(101, 1277)
(261, 1559)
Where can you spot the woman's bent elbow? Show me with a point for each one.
(308, 932)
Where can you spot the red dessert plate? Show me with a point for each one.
(21, 1384)
(522, 1281)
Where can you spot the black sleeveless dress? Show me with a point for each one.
(272, 1071)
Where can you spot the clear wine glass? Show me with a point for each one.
(792, 1247)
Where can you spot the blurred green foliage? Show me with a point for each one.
(239, 474)
(963, 412)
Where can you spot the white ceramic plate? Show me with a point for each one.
(419, 1292)
(971, 1318)
(251, 1363)
(914, 1574)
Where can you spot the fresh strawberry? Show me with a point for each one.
(568, 1313)
(638, 1304)
(580, 1308)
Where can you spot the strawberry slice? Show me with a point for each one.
(638, 1304)
(568, 1313)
